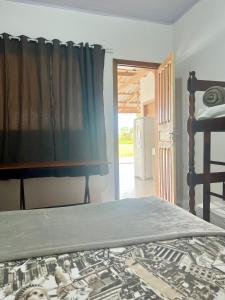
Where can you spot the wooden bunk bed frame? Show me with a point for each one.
(206, 127)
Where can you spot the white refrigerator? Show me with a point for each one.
(144, 147)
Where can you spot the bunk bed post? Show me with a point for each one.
(206, 184)
(191, 86)
(223, 191)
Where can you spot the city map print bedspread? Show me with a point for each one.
(186, 268)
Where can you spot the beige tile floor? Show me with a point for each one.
(130, 186)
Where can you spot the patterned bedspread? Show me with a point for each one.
(185, 268)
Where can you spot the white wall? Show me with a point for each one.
(129, 39)
(147, 87)
(199, 43)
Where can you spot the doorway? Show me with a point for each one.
(134, 114)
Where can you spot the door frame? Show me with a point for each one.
(116, 63)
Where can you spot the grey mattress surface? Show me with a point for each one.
(112, 224)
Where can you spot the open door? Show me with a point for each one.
(165, 119)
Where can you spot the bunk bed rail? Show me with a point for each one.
(195, 85)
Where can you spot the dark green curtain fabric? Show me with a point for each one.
(92, 66)
(51, 101)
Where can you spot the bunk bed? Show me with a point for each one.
(206, 126)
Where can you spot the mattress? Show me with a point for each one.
(129, 249)
(217, 111)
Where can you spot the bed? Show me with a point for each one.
(129, 249)
(209, 120)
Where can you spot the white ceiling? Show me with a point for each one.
(159, 11)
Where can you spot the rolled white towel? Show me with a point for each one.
(217, 111)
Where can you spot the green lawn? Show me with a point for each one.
(126, 150)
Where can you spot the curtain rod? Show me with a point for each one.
(107, 50)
